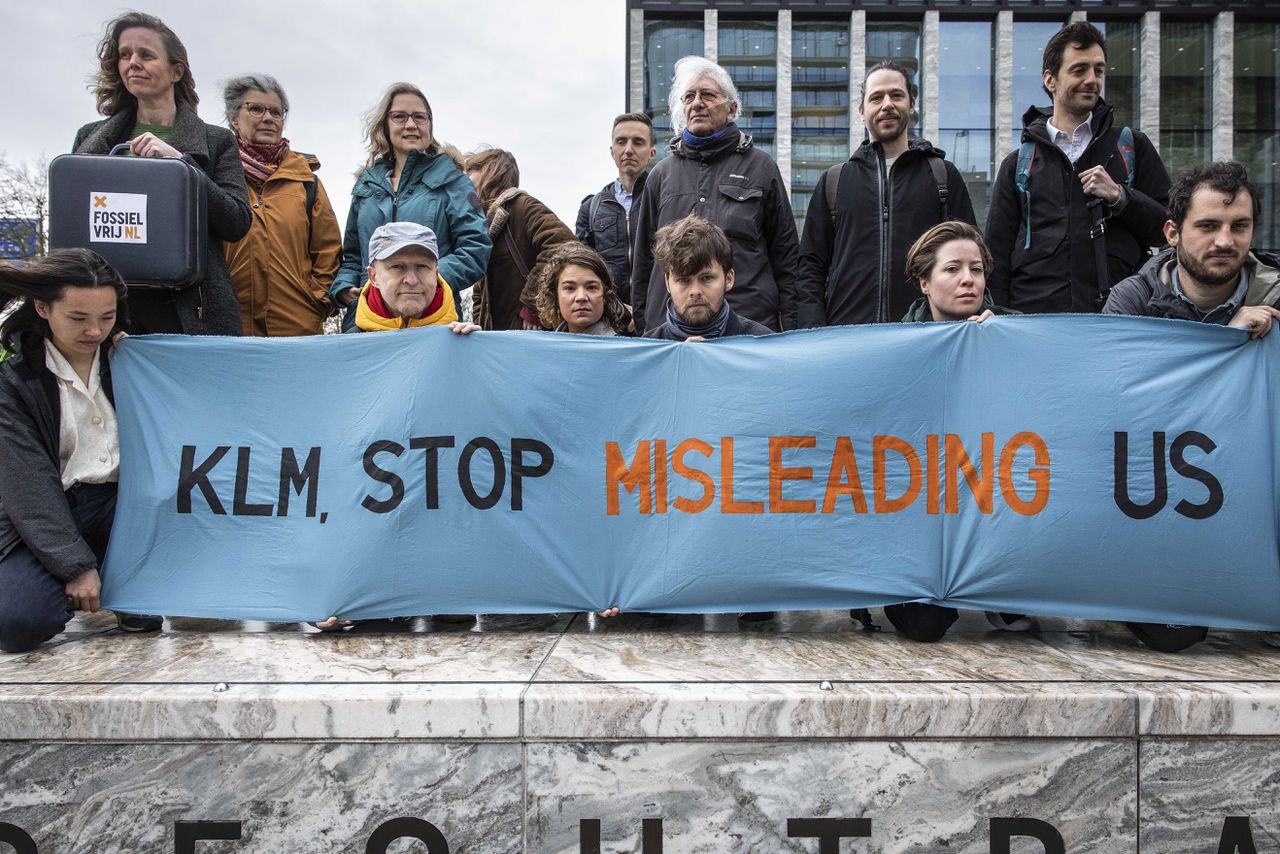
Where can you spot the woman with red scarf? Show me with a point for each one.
(283, 267)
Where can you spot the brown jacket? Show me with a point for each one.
(283, 267)
(510, 282)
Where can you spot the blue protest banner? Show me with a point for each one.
(1093, 467)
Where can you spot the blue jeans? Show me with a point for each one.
(33, 603)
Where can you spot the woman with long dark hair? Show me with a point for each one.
(60, 460)
(145, 88)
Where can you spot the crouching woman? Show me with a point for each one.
(60, 459)
(949, 264)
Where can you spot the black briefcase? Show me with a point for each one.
(147, 216)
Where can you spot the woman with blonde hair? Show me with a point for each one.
(523, 231)
(410, 176)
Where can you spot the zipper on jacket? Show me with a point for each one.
(882, 290)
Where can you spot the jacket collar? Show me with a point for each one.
(189, 133)
(1035, 122)
(870, 150)
(431, 170)
(733, 141)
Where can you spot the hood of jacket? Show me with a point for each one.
(1035, 122)
(870, 149)
(1262, 268)
(734, 140)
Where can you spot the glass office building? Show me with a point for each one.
(1198, 78)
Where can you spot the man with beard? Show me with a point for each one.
(1207, 275)
(697, 263)
(1077, 206)
(866, 212)
(716, 173)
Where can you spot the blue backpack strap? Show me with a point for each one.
(1125, 146)
(1022, 179)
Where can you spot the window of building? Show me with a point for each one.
(819, 106)
(1029, 39)
(1121, 86)
(965, 110)
(665, 42)
(1186, 104)
(898, 41)
(748, 50)
(1257, 121)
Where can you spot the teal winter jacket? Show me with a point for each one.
(431, 192)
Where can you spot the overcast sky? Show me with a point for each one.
(543, 80)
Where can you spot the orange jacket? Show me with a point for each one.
(283, 267)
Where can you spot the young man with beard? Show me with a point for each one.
(865, 213)
(697, 263)
(1076, 207)
(604, 219)
(1207, 275)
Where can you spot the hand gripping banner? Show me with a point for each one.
(1093, 467)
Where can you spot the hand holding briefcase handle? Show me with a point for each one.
(146, 215)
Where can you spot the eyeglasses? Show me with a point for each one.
(399, 117)
(705, 95)
(260, 110)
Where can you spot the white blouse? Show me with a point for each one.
(88, 439)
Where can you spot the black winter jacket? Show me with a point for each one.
(211, 307)
(1056, 274)
(1149, 292)
(854, 273)
(33, 507)
(739, 188)
(610, 232)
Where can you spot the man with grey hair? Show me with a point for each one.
(715, 173)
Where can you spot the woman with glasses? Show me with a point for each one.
(284, 266)
(411, 176)
(145, 88)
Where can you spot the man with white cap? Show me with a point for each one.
(405, 289)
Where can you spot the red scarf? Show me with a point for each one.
(260, 159)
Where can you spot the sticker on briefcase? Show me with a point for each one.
(117, 217)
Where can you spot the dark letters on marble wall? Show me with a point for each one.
(1236, 836)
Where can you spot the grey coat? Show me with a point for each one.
(211, 307)
(739, 188)
(33, 507)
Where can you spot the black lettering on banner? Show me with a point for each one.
(828, 831)
(383, 476)
(1161, 496)
(431, 463)
(1004, 829)
(187, 833)
(296, 479)
(191, 476)
(1176, 456)
(406, 828)
(589, 836)
(240, 505)
(499, 473)
(11, 834)
(1237, 836)
(519, 470)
